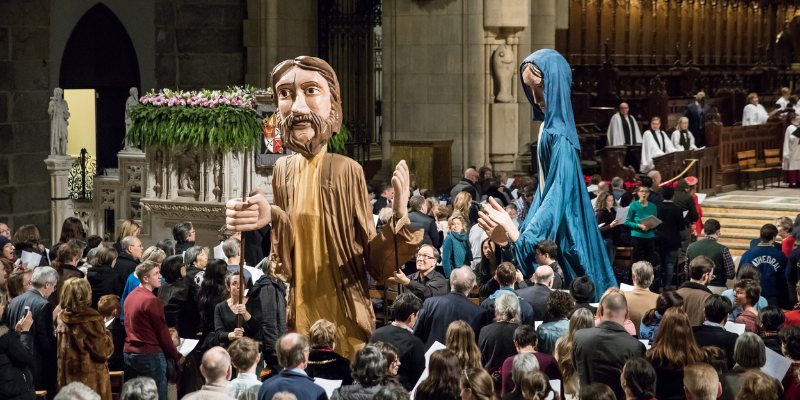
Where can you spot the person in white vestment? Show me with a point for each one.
(783, 101)
(682, 137)
(754, 113)
(655, 142)
(791, 153)
(623, 128)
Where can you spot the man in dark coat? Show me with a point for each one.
(537, 294)
(712, 332)
(40, 339)
(466, 184)
(128, 258)
(267, 304)
(420, 220)
(669, 234)
(438, 312)
(696, 111)
(400, 334)
(293, 355)
(600, 353)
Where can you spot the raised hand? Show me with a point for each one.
(402, 191)
(242, 216)
(496, 222)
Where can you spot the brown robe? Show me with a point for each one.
(84, 347)
(352, 246)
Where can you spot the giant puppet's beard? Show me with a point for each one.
(321, 127)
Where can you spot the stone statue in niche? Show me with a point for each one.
(132, 101)
(59, 114)
(503, 66)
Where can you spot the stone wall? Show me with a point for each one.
(24, 123)
(437, 77)
(199, 44)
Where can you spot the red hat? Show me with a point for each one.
(691, 180)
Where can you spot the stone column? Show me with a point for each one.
(503, 20)
(61, 205)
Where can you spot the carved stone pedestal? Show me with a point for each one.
(61, 207)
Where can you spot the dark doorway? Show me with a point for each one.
(100, 55)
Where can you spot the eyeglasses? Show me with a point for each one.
(425, 257)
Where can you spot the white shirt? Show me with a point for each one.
(654, 146)
(782, 103)
(244, 387)
(754, 114)
(476, 237)
(791, 150)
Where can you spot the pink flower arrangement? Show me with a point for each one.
(241, 97)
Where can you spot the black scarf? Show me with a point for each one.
(659, 140)
(627, 129)
(684, 141)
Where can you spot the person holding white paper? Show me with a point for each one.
(605, 215)
(749, 355)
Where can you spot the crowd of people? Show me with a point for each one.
(88, 309)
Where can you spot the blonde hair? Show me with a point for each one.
(129, 228)
(76, 294)
(459, 217)
(322, 333)
(460, 338)
(462, 202)
(153, 254)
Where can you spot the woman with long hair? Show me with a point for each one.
(129, 227)
(605, 213)
(212, 292)
(72, 228)
(465, 205)
(476, 384)
(102, 276)
(226, 314)
(581, 318)
(84, 343)
(651, 319)
(673, 349)
(536, 386)
(29, 238)
(444, 377)
(460, 338)
(492, 255)
(456, 250)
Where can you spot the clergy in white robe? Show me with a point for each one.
(783, 101)
(754, 113)
(682, 138)
(623, 128)
(655, 142)
(791, 153)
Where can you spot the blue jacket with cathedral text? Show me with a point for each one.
(771, 262)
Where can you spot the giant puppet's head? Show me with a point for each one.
(547, 82)
(309, 105)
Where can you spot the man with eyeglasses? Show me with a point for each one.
(128, 258)
(426, 282)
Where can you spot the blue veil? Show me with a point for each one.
(561, 210)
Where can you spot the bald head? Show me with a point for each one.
(614, 307)
(471, 175)
(216, 365)
(462, 280)
(544, 275)
(292, 350)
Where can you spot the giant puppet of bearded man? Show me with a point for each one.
(323, 231)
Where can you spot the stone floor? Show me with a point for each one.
(773, 198)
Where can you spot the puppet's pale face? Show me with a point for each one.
(534, 81)
(304, 96)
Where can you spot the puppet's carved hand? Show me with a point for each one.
(401, 184)
(242, 216)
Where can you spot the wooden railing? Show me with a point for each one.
(699, 163)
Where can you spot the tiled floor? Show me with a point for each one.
(770, 199)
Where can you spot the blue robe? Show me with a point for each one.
(561, 210)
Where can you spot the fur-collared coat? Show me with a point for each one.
(84, 347)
